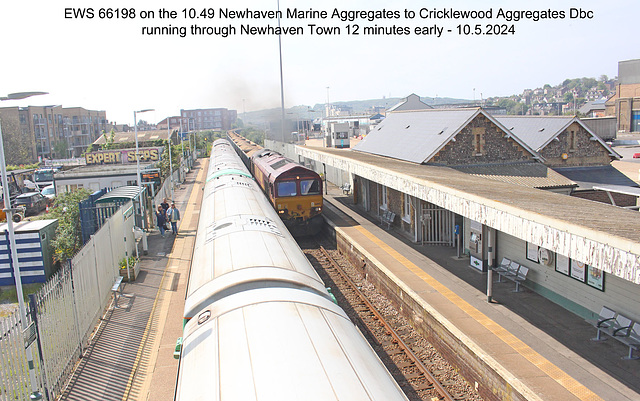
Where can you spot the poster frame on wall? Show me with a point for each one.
(595, 278)
(532, 252)
(578, 270)
(563, 264)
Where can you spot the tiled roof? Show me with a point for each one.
(532, 175)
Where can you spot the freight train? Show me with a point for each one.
(260, 325)
(294, 190)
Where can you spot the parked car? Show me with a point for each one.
(34, 202)
(49, 192)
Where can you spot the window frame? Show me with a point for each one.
(406, 213)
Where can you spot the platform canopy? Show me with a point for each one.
(121, 194)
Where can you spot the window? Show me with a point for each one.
(286, 188)
(572, 140)
(635, 121)
(383, 192)
(407, 208)
(309, 187)
(478, 140)
(279, 164)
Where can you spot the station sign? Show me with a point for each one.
(123, 156)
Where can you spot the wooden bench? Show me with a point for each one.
(116, 289)
(387, 218)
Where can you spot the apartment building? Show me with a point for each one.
(55, 131)
(173, 122)
(205, 119)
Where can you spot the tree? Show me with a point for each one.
(163, 164)
(68, 240)
(568, 97)
(589, 83)
(108, 139)
(18, 147)
(254, 135)
(61, 149)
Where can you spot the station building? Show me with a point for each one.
(625, 104)
(492, 185)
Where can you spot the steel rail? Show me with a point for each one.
(403, 347)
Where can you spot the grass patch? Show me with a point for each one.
(8, 294)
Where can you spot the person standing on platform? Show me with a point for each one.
(173, 215)
(165, 205)
(161, 219)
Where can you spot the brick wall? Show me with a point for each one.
(583, 151)
(495, 147)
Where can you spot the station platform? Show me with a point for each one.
(130, 356)
(540, 349)
(543, 350)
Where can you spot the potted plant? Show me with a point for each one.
(133, 270)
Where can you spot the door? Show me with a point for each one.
(437, 225)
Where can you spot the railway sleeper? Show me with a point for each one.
(405, 364)
(414, 375)
(395, 352)
(426, 385)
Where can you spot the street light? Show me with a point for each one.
(22, 95)
(6, 194)
(135, 128)
(170, 161)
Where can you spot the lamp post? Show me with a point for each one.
(35, 394)
(135, 128)
(170, 162)
(281, 78)
(181, 144)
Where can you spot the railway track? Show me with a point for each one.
(417, 367)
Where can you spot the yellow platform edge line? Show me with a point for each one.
(551, 370)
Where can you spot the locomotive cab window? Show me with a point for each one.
(287, 188)
(309, 187)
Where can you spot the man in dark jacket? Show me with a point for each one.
(161, 219)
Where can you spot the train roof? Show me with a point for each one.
(275, 165)
(279, 344)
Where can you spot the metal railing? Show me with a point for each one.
(65, 312)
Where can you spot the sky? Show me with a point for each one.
(113, 64)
